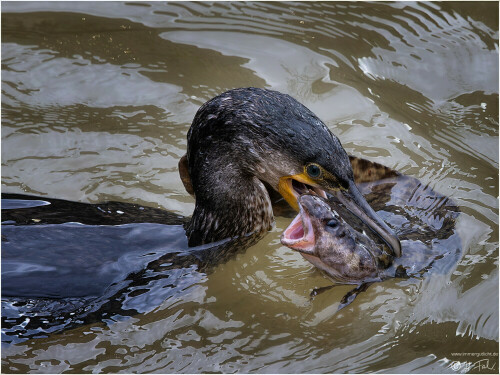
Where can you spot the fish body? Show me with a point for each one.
(326, 240)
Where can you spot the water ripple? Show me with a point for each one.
(96, 103)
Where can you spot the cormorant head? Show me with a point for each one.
(271, 136)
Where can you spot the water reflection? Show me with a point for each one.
(96, 102)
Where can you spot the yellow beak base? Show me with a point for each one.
(286, 189)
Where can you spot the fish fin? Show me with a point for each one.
(317, 291)
(401, 273)
(351, 296)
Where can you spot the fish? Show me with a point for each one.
(332, 239)
(326, 240)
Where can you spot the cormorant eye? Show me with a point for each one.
(313, 171)
(332, 223)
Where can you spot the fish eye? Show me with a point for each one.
(332, 223)
(313, 170)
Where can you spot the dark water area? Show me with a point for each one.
(97, 99)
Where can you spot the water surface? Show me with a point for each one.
(97, 99)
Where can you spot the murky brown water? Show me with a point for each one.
(96, 103)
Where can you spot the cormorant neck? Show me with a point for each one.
(231, 211)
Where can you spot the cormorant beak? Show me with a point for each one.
(291, 187)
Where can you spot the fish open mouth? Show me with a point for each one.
(299, 235)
